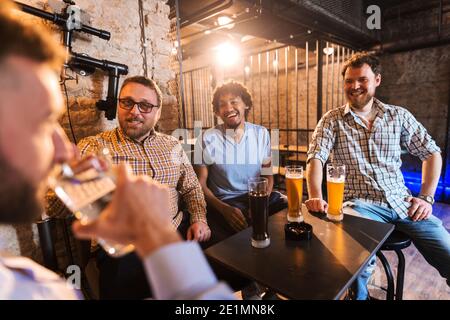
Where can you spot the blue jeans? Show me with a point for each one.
(429, 236)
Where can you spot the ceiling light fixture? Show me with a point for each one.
(227, 54)
(328, 51)
(225, 21)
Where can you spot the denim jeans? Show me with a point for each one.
(429, 236)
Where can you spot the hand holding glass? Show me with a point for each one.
(86, 188)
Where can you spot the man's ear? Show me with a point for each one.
(378, 79)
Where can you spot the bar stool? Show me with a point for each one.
(395, 242)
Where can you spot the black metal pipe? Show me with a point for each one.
(106, 65)
(338, 76)
(180, 62)
(286, 74)
(268, 86)
(115, 70)
(206, 12)
(319, 63)
(393, 47)
(252, 86)
(440, 19)
(61, 20)
(191, 107)
(260, 90)
(296, 96)
(389, 276)
(217, 28)
(277, 87)
(331, 106)
(400, 275)
(327, 71)
(307, 87)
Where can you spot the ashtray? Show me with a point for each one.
(298, 231)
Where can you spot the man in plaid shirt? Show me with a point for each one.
(368, 136)
(154, 154)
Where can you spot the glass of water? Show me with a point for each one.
(86, 188)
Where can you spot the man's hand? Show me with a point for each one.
(138, 214)
(316, 205)
(419, 210)
(199, 231)
(235, 218)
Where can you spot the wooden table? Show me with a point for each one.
(321, 268)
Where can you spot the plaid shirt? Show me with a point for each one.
(372, 158)
(162, 158)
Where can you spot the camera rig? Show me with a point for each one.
(70, 21)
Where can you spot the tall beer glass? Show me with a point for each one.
(294, 189)
(259, 211)
(335, 190)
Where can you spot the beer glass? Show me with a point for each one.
(335, 190)
(86, 188)
(294, 189)
(259, 211)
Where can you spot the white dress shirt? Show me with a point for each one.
(178, 271)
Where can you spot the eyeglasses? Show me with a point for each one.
(143, 107)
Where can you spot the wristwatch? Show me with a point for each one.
(429, 199)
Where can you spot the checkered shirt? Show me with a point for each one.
(372, 158)
(162, 158)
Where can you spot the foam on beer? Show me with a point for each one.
(294, 176)
(336, 180)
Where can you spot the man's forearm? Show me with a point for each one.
(195, 203)
(212, 200)
(314, 178)
(431, 171)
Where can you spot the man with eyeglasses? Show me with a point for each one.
(162, 158)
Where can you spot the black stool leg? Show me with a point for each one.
(400, 275)
(46, 230)
(389, 276)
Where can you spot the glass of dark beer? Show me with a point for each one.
(259, 211)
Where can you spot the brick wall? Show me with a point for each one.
(121, 19)
(417, 76)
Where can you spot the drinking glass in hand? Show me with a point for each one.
(86, 187)
(335, 190)
(259, 211)
(294, 189)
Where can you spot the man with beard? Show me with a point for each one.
(368, 137)
(154, 154)
(32, 141)
(232, 153)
